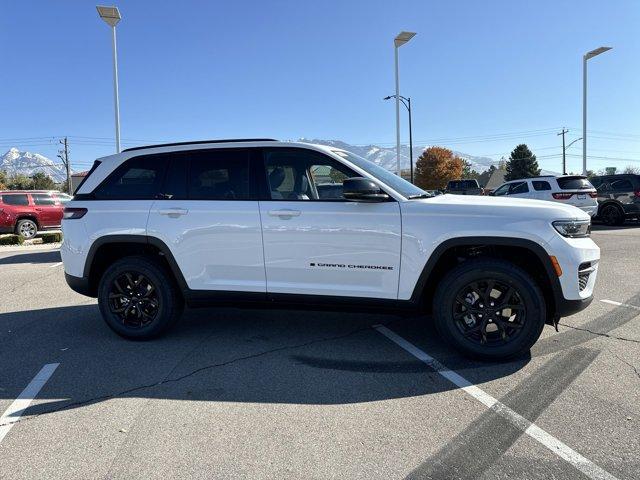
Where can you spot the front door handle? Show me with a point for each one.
(173, 212)
(285, 213)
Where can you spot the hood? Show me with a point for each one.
(500, 206)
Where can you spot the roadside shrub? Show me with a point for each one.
(55, 237)
(11, 240)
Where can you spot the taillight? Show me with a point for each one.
(637, 193)
(595, 194)
(70, 213)
(562, 196)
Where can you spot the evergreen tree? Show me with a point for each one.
(522, 164)
(42, 181)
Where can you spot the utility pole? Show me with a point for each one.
(64, 156)
(564, 158)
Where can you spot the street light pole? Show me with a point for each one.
(401, 39)
(586, 57)
(406, 101)
(111, 15)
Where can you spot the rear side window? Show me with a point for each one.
(43, 199)
(540, 185)
(138, 178)
(622, 185)
(219, 175)
(574, 183)
(15, 199)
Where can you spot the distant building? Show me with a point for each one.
(496, 179)
(76, 178)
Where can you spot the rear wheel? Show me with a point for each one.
(26, 228)
(612, 215)
(489, 309)
(138, 298)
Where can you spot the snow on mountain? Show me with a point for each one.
(386, 156)
(26, 163)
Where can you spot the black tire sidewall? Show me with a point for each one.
(504, 272)
(170, 307)
(19, 224)
(615, 220)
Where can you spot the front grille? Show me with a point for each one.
(584, 271)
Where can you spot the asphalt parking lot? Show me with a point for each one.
(295, 394)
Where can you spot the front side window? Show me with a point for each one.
(15, 199)
(219, 175)
(138, 178)
(501, 190)
(516, 188)
(298, 174)
(43, 199)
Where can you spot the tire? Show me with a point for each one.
(26, 228)
(501, 333)
(138, 298)
(611, 215)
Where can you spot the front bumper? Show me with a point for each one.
(565, 307)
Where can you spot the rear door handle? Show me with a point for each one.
(285, 213)
(173, 212)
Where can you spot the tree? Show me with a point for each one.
(3, 180)
(435, 167)
(522, 164)
(42, 181)
(630, 169)
(20, 182)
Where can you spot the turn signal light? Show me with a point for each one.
(593, 194)
(556, 265)
(70, 213)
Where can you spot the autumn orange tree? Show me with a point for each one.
(436, 166)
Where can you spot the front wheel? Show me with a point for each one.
(138, 298)
(489, 309)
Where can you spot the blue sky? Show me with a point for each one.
(291, 69)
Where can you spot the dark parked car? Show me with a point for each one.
(25, 212)
(618, 197)
(464, 187)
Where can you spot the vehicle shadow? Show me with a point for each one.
(46, 256)
(226, 355)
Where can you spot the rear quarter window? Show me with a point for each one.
(138, 178)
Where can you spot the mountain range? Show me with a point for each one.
(16, 162)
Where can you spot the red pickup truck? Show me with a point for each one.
(26, 212)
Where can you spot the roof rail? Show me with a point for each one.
(200, 142)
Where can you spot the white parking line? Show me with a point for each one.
(618, 304)
(565, 452)
(20, 404)
(55, 265)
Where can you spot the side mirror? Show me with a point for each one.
(363, 190)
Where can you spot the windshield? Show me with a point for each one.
(400, 185)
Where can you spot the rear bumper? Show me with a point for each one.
(78, 284)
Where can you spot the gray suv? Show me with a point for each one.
(618, 197)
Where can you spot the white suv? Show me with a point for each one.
(261, 221)
(573, 190)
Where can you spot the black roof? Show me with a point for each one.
(200, 142)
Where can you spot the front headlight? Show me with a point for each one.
(573, 228)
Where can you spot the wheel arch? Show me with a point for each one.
(109, 248)
(520, 251)
(27, 216)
